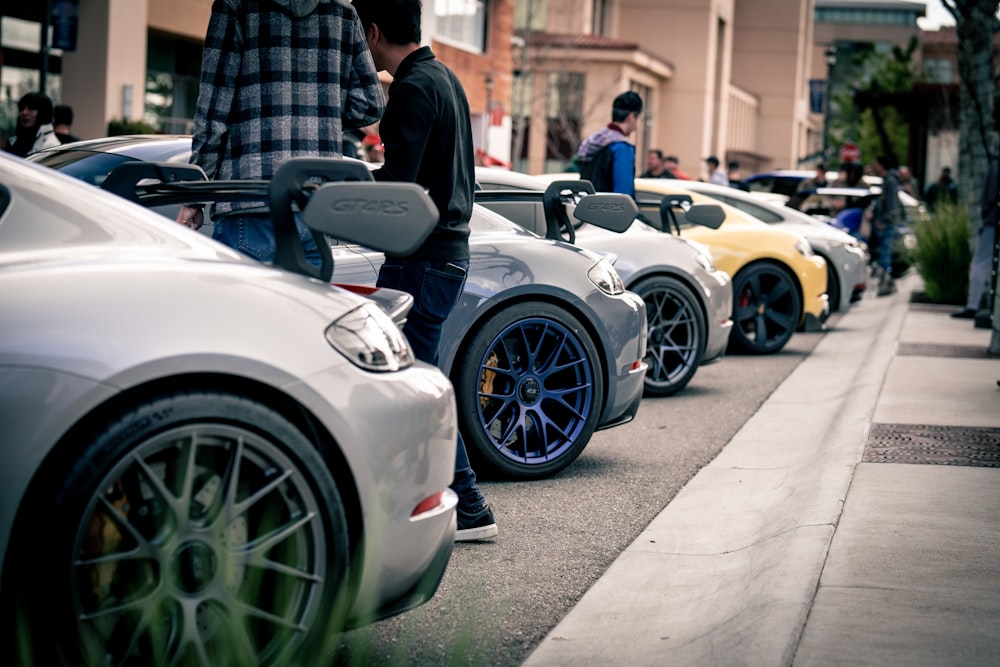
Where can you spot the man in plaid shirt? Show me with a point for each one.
(279, 79)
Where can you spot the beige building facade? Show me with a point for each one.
(140, 60)
(719, 77)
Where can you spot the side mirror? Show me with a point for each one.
(395, 218)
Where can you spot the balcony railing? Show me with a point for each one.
(744, 116)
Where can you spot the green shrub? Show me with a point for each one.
(121, 126)
(942, 254)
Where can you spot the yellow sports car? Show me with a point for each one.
(779, 285)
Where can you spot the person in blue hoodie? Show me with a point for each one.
(607, 158)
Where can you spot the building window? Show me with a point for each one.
(938, 70)
(866, 16)
(564, 114)
(599, 19)
(530, 14)
(461, 21)
(173, 72)
(520, 113)
(20, 66)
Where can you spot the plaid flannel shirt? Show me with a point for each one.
(274, 86)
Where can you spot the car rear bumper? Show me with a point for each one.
(629, 385)
(623, 321)
(720, 322)
(816, 304)
(434, 532)
(407, 458)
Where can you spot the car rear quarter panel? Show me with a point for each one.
(511, 270)
(67, 345)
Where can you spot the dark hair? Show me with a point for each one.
(397, 20)
(886, 162)
(41, 103)
(711, 159)
(853, 172)
(672, 158)
(657, 151)
(624, 104)
(62, 114)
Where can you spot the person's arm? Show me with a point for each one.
(622, 168)
(405, 129)
(361, 99)
(219, 69)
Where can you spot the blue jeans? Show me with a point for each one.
(253, 234)
(435, 287)
(884, 239)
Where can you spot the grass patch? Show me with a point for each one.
(942, 254)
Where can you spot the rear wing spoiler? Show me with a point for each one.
(335, 197)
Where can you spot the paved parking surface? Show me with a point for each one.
(558, 536)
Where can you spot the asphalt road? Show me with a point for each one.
(500, 598)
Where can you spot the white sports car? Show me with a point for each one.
(204, 460)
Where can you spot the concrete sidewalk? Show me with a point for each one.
(852, 520)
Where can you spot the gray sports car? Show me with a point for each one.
(688, 301)
(544, 347)
(203, 458)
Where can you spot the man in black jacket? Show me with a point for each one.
(427, 137)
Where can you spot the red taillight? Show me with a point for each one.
(363, 290)
(636, 364)
(428, 503)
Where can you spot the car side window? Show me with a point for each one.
(758, 212)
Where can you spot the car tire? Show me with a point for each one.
(767, 308)
(530, 391)
(675, 334)
(832, 286)
(196, 525)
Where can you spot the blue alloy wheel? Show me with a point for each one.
(530, 392)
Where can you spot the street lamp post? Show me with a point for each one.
(831, 61)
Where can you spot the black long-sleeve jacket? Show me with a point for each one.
(427, 134)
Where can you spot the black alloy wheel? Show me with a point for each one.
(675, 334)
(767, 308)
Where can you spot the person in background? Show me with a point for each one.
(982, 256)
(715, 175)
(943, 190)
(733, 174)
(851, 175)
(908, 183)
(427, 135)
(279, 79)
(673, 165)
(817, 180)
(34, 131)
(656, 167)
(885, 214)
(62, 123)
(374, 151)
(607, 157)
